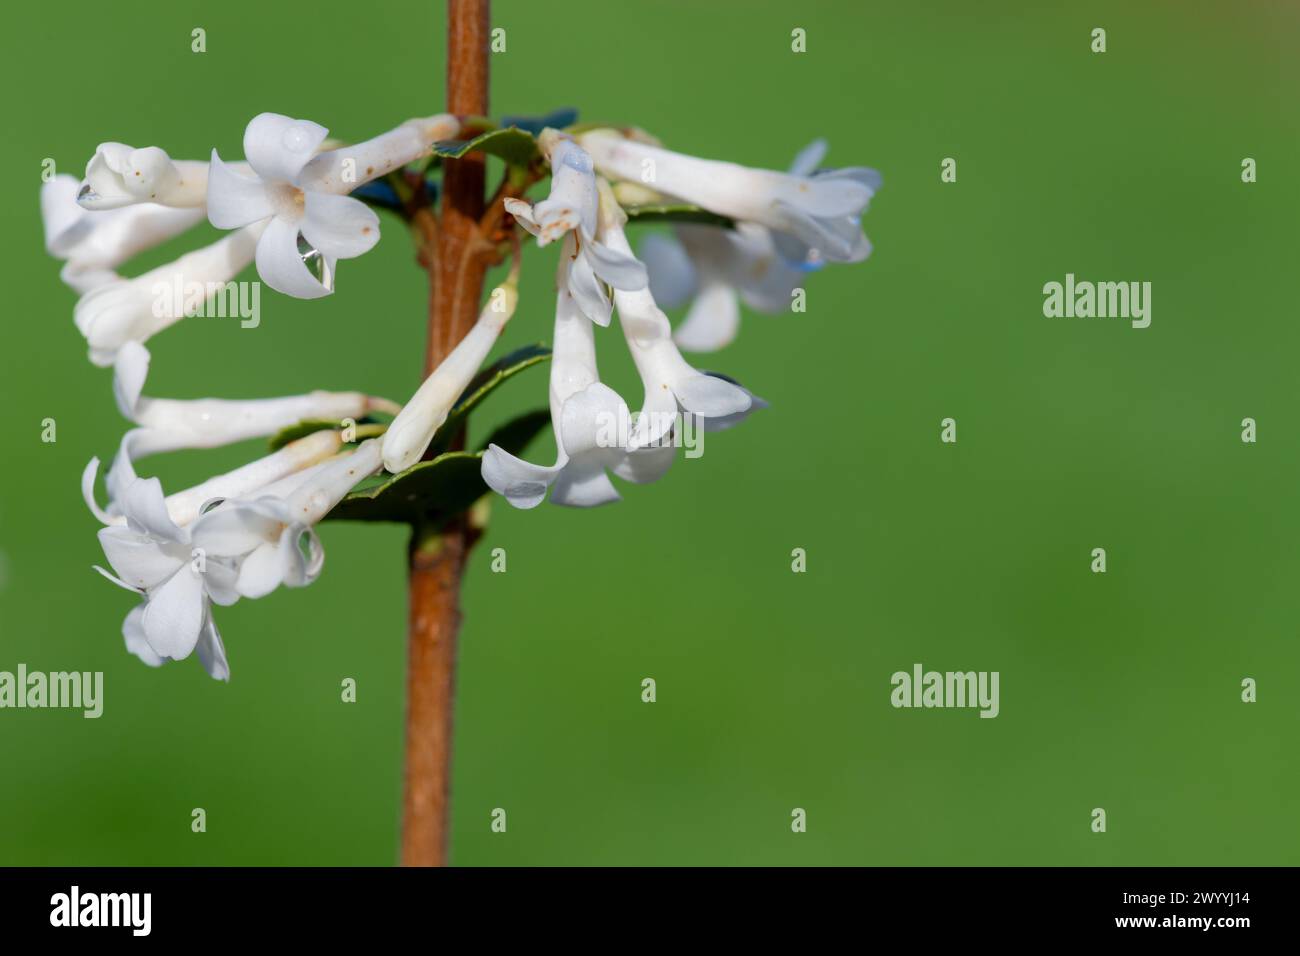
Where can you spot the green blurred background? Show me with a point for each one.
(1119, 690)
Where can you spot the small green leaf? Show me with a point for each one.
(430, 492)
(514, 145)
(301, 430)
(676, 212)
(482, 385)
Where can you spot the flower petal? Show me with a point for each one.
(262, 571)
(146, 509)
(713, 320)
(620, 270)
(212, 653)
(139, 560)
(280, 264)
(173, 615)
(339, 226)
(130, 369)
(235, 200)
(278, 147)
(588, 293)
(133, 633)
(520, 482)
(583, 484)
(671, 274)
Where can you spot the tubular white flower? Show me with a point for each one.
(132, 310)
(670, 381)
(411, 431)
(184, 506)
(589, 420)
(93, 244)
(571, 208)
(119, 175)
(264, 535)
(820, 213)
(342, 170)
(336, 227)
(210, 422)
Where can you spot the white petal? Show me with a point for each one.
(583, 484)
(133, 633)
(129, 372)
(588, 292)
(809, 158)
(235, 200)
(280, 264)
(262, 571)
(88, 492)
(620, 270)
(139, 561)
(671, 274)
(646, 464)
(522, 483)
(278, 147)
(212, 653)
(713, 320)
(339, 226)
(235, 529)
(523, 213)
(711, 396)
(146, 509)
(174, 613)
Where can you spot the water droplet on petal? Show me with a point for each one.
(315, 263)
(297, 137)
(86, 194)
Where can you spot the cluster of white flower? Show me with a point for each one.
(245, 533)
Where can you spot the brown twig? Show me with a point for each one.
(437, 553)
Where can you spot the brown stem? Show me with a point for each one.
(437, 557)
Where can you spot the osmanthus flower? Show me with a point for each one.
(814, 216)
(571, 209)
(413, 428)
(711, 267)
(119, 175)
(589, 419)
(121, 310)
(184, 506)
(211, 422)
(295, 193)
(671, 383)
(271, 537)
(93, 244)
(161, 547)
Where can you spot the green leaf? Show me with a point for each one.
(481, 386)
(431, 492)
(301, 430)
(676, 212)
(514, 145)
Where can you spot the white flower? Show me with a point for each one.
(814, 216)
(132, 310)
(710, 267)
(211, 422)
(411, 431)
(93, 244)
(588, 418)
(669, 380)
(571, 208)
(265, 534)
(119, 175)
(335, 227)
(184, 506)
(153, 555)
(344, 169)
